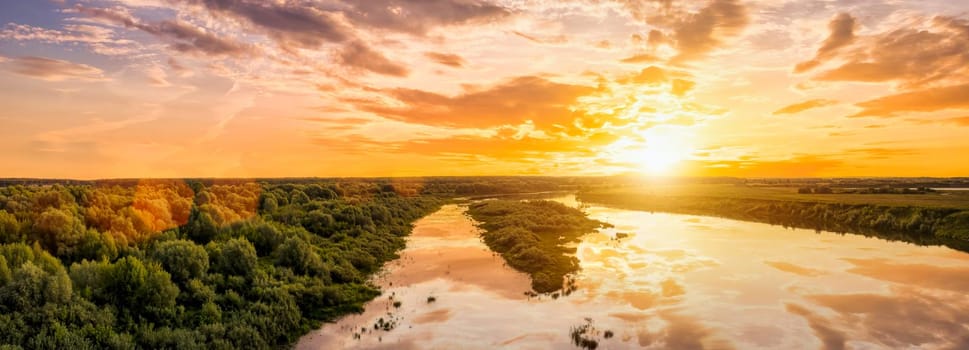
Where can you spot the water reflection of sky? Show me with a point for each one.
(676, 281)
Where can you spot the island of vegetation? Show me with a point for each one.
(928, 218)
(534, 237)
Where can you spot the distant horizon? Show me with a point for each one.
(629, 175)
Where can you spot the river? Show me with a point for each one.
(666, 282)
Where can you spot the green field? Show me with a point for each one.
(935, 218)
(941, 199)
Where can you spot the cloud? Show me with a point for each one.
(556, 39)
(511, 103)
(508, 147)
(927, 100)
(922, 52)
(641, 58)
(703, 31)
(446, 59)
(842, 29)
(803, 106)
(419, 16)
(693, 34)
(290, 23)
(359, 55)
(100, 39)
(53, 69)
(882, 153)
(681, 86)
(184, 37)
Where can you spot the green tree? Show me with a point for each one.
(9, 228)
(202, 228)
(144, 291)
(182, 259)
(295, 253)
(58, 230)
(234, 257)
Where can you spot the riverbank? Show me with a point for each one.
(932, 219)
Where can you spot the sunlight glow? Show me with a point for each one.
(660, 154)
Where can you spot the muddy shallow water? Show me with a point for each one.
(676, 281)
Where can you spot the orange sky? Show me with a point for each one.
(239, 88)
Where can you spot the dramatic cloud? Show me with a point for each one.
(694, 34)
(418, 16)
(803, 106)
(53, 69)
(525, 98)
(184, 37)
(446, 59)
(291, 23)
(928, 100)
(842, 29)
(928, 52)
(701, 32)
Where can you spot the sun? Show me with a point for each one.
(660, 154)
(657, 160)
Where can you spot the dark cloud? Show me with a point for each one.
(927, 100)
(926, 52)
(419, 16)
(290, 23)
(842, 29)
(693, 34)
(803, 106)
(511, 103)
(446, 59)
(359, 55)
(53, 69)
(703, 31)
(184, 37)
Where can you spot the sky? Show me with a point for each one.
(293, 88)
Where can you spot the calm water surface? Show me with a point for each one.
(676, 282)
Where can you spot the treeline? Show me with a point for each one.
(191, 264)
(532, 237)
(911, 224)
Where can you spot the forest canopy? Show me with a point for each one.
(192, 264)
